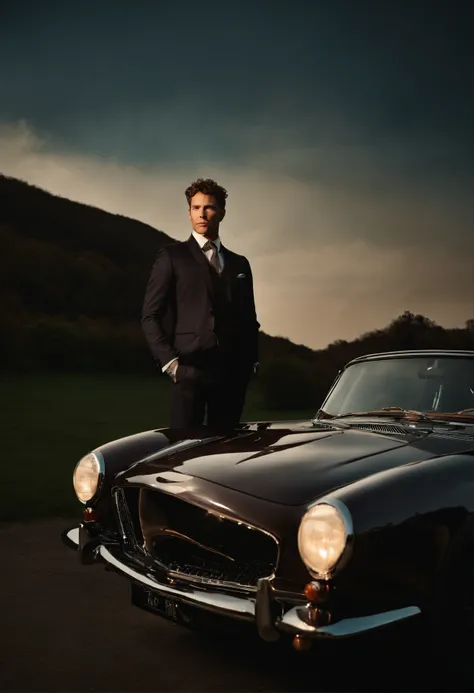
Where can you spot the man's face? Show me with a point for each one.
(205, 215)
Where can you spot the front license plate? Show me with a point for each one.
(155, 603)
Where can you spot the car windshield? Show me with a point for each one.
(433, 386)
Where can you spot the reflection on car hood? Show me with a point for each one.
(285, 465)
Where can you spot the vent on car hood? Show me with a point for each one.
(383, 428)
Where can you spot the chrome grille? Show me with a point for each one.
(193, 543)
(192, 561)
(126, 504)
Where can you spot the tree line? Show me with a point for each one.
(72, 280)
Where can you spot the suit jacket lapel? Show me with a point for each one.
(230, 270)
(229, 263)
(202, 260)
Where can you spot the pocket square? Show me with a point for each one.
(241, 276)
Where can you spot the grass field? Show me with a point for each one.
(49, 422)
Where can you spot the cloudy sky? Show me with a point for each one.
(342, 129)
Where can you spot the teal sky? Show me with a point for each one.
(359, 113)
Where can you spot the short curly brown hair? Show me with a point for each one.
(207, 186)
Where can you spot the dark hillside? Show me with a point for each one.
(72, 280)
(67, 259)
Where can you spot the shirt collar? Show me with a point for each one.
(201, 240)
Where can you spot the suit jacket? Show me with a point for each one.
(188, 309)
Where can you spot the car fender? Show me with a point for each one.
(404, 520)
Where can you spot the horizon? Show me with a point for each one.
(274, 336)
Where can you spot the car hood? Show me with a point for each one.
(285, 466)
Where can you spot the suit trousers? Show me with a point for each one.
(214, 383)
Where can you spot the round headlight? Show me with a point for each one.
(323, 537)
(87, 477)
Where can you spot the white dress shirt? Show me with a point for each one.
(201, 240)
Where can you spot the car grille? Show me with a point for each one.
(126, 503)
(192, 542)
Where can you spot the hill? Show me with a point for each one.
(68, 259)
(72, 280)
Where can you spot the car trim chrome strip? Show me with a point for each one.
(294, 621)
(71, 537)
(212, 601)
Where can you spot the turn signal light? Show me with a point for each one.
(301, 643)
(316, 591)
(90, 515)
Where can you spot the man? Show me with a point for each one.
(199, 317)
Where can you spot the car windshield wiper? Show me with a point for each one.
(388, 411)
(446, 414)
(327, 420)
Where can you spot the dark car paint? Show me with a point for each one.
(121, 453)
(293, 467)
(408, 494)
(394, 486)
(403, 521)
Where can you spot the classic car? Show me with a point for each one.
(358, 519)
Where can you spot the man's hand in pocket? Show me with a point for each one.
(171, 370)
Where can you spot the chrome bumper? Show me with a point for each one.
(299, 620)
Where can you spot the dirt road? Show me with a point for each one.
(66, 627)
